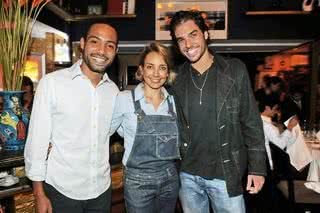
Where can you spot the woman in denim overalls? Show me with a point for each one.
(148, 125)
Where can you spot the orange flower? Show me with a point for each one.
(22, 2)
(16, 18)
(36, 3)
(6, 3)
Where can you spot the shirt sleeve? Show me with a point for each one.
(39, 133)
(117, 116)
(251, 125)
(281, 140)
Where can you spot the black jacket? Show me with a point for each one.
(239, 124)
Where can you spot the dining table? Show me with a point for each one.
(314, 169)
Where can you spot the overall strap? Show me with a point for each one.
(137, 105)
(141, 115)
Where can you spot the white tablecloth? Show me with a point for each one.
(314, 170)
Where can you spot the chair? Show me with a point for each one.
(291, 183)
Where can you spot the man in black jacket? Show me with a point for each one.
(220, 125)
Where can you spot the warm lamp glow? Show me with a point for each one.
(285, 62)
(159, 6)
(297, 60)
(195, 7)
(31, 69)
(170, 5)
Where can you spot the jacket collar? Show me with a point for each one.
(225, 82)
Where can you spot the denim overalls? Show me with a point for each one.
(151, 181)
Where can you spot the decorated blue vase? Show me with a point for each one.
(14, 121)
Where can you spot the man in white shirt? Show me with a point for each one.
(72, 111)
(268, 107)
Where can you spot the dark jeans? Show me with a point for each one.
(151, 193)
(63, 204)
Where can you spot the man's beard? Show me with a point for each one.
(93, 68)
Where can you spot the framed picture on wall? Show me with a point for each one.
(214, 12)
(94, 9)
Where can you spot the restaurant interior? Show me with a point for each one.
(272, 37)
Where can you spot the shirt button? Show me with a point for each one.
(185, 144)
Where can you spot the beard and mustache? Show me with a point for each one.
(96, 66)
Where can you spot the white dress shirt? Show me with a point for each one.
(272, 134)
(75, 117)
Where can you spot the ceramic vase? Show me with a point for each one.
(14, 121)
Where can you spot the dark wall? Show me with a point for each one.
(49, 18)
(129, 29)
(243, 26)
(240, 26)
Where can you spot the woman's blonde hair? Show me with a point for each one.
(161, 50)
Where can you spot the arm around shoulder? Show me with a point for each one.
(118, 111)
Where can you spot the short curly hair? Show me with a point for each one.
(161, 50)
(184, 16)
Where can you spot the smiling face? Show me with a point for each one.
(191, 40)
(154, 71)
(99, 47)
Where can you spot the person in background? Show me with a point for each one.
(148, 124)
(27, 87)
(205, 16)
(72, 110)
(276, 141)
(295, 104)
(220, 126)
(268, 108)
(113, 71)
(2, 209)
(273, 85)
(264, 90)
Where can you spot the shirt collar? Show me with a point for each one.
(266, 119)
(75, 70)
(139, 92)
